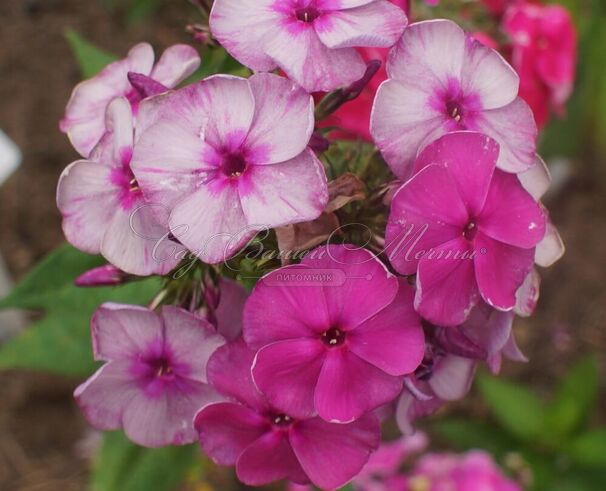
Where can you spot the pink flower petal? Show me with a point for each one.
(287, 373)
(176, 64)
(244, 35)
(393, 339)
(268, 459)
(137, 244)
(211, 223)
(288, 192)
(427, 211)
(402, 121)
(278, 310)
(428, 54)
(348, 304)
(227, 429)
(166, 419)
(333, 454)
(348, 387)
(488, 328)
(470, 159)
(377, 24)
(500, 270)
(283, 120)
(537, 179)
(116, 145)
(87, 200)
(551, 249)
(230, 310)
(514, 129)
(487, 74)
(446, 286)
(121, 331)
(315, 67)
(521, 223)
(527, 296)
(103, 397)
(229, 371)
(190, 339)
(452, 377)
(85, 112)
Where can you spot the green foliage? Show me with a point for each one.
(91, 59)
(517, 409)
(552, 438)
(121, 465)
(590, 448)
(574, 399)
(60, 341)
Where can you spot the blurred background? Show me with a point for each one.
(45, 444)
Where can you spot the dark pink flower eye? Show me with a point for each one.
(334, 337)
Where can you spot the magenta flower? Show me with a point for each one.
(266, 444)
(448, 226)
(441, 80)
(84, 120)
(338, 349)
(104, 210)
(471, 471)
(544, 52)
(229, 157)
(154, 378)
(312, 41)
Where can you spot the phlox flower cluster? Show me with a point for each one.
(294, 378)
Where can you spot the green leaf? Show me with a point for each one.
(467, 434)
(590, 449)
(91, 59)
(122, 465)
(53, 273)
(575, 398)
(60, 341)
(517, 409)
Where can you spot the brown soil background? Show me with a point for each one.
(41, 431)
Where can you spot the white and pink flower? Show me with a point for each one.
(84, 120)
(442, 80)
(228, 157)
(312, 41)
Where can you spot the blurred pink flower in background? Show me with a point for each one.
(473, 471)
(544, 53)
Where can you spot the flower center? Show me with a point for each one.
(234, 164)
(333, 337)
(162, 368)
(282, 420)
(307, 14)
(470, 231)
(454, 110)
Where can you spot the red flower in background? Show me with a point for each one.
(544, 53)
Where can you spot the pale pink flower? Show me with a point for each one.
(104, 210)
(84, 120)
(442, 80)
(312, 41)
(154, 378)
(228, 157)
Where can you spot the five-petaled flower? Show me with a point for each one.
(84, 120)
(442, 80)
(448, 226)
(312, 41)
(265, 443)
(154, 379)
(228, 157)
(104, 210)
(337, 350)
